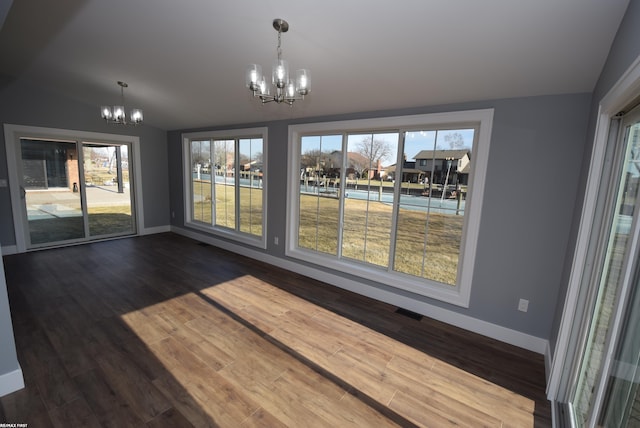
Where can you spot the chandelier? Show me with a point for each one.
(117, 115)
(284, 89)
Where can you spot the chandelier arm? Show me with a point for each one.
(269, 98)
(266, 98)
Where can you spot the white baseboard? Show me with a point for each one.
(11, 382)
(154, 230)
(9, 249)
(494, 331)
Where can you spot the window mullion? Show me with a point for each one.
(214, 220)
(428, 220)
(317, 196)
(396, 201)
(83, 193)
(236, 181)
(343, 188)
(366, 217)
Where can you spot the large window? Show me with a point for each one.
(390, 199)
(225, 182)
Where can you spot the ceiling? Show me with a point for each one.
(185, 60)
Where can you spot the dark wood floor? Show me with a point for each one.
(162, 331)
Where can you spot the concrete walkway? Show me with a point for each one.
(66, 203)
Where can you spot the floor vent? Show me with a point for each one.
(409, 314)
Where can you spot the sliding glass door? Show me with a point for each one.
(107, 189)
(50, 180)
(605, 391)
(73, 191)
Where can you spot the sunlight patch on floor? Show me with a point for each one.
(233, 374)
(394, 374)
(217, 334)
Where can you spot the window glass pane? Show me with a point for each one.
(201, 168)
(225, 187)
(413, 209)
(107, 188)
(368, 203)
(320, 172)
(435, 176)
(328, 224)
(251, 180)
(53, 204)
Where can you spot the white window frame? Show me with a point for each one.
(460, 293)
(233, 134)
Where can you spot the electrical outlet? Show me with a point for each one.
(276, 240)
(523, 305)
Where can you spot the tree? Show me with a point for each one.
(310, 159)
(223, 154)
(322, 162)
(455, 141)
(200, 152)
(245, 162)
(373, 151)
(358, 164)
(258, 157)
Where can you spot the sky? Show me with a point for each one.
(414, 143)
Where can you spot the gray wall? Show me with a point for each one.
(624, 51)
(8, 356)
(25, 104)
(532, 178)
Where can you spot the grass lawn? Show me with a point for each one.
(109, 220)
(250, 206)
(365, 237)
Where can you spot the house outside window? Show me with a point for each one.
(225, 183)
(390, 199)
(436, 163)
